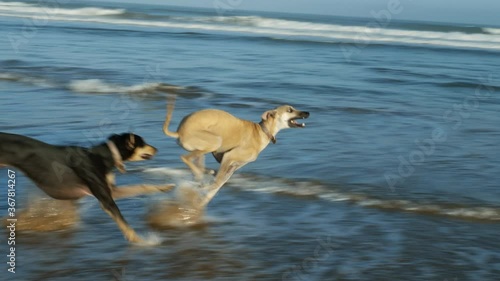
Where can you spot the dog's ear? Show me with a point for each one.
(131, 141)
(267, 114)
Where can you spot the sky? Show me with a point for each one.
(455, 11)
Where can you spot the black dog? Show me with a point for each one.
(72, 172)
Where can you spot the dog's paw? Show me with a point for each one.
(210, 172)
(133, 238)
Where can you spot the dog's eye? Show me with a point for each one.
(290, 110)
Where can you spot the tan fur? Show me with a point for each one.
(147, 149)
(233, 141)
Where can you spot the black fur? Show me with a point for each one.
(68, 172)
(122, 142)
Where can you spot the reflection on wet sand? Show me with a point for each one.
(47, 214)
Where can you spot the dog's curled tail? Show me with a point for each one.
(170, 110)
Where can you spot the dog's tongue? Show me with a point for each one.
(298, 124)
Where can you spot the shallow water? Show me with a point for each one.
(315, 206)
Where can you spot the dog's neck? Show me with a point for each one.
(117, 158)
(266, 131)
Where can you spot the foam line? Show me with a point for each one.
(320, 191)
(488, 39)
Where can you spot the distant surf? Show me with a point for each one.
(449, 36)
(101, 87)
(23, 9)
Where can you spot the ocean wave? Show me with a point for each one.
(320, 191)
(97, 86)
(492, 30)
(24, 8)
(358, 35)
(31, 80)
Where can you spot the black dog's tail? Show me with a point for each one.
(170, 110)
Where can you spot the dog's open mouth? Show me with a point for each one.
(292, 123)
(146, 156)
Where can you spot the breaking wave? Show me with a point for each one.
(273, 28)
(95, 86)
(101, 87)
(21, 9)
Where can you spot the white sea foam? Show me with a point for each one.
(307, 189)
(101, 87)
(8, 77)
(30, 9)
(168, 172)
(276, 28)
(90, 86)
(150, 239)
(37, 81)
(492, 30)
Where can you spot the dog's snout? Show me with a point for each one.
(305, 114)
(155, 150)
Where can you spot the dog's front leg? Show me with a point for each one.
(225, 172)
(99, 185)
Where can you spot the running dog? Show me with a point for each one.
(72, 172)
(232, 141)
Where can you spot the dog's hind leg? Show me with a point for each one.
(200, 163)
(189, 160)
(136, 190)
(199, 144)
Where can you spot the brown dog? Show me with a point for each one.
(232, 141)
